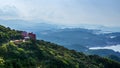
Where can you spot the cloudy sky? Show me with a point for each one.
(66, 12)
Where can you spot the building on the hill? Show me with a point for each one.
(32, 36)
(17, 41)
(27, 36)
(24, 34)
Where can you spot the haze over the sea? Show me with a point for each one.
(115, 48)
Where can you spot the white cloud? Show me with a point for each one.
(69, 12)
(9, 11)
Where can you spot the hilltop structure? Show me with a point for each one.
(26, 35)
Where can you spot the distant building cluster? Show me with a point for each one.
(27, 35)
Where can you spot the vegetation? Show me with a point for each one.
(6, 34)
(42, 54)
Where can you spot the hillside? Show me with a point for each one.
(42, 54)
(6, 34)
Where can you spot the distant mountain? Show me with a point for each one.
(80, 36)
(32, 26)
(43, 25)
(42, 54)
(99, 27)
(82, 39)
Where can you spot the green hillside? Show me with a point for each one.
(42, 54)
(6, 34)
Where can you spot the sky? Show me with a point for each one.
(64, 12)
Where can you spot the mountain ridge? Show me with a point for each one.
(39, 53)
